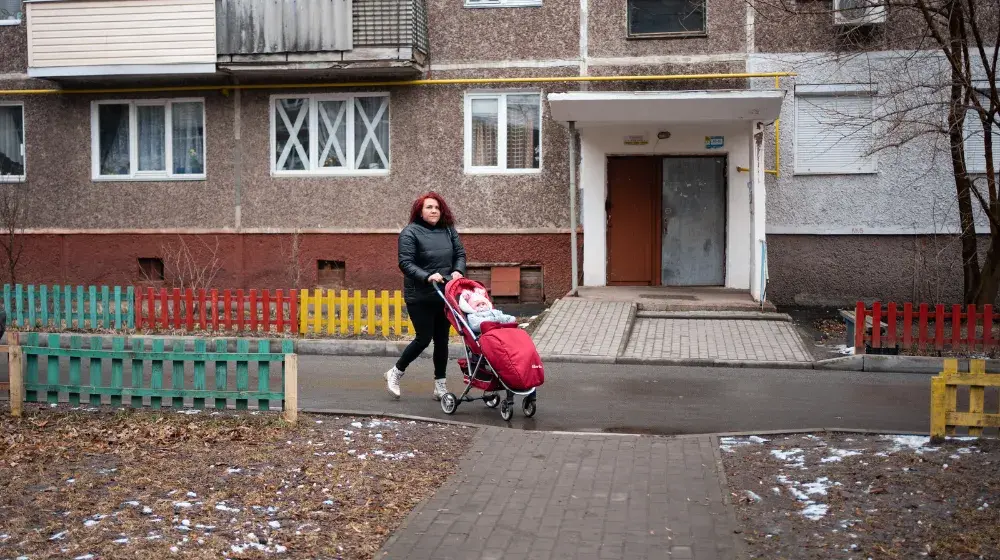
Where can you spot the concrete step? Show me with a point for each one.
(721, 315)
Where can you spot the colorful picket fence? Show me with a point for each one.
(69, 307)
(354, 312)
(924, 327)
(146, 360)
(217, 311)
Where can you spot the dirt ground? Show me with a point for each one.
(88, 484)
(865, 497)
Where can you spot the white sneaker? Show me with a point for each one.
(440, 388)
(392, 378)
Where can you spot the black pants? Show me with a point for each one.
(431, 324)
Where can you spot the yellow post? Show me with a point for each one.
(357, 312)
(291, 409)
(344, 312)
(397, 318)
(371, 312)
(15, 371)
(977, 394)
(939, 414)
(385, 313)
(331, 311)
(303, 311)
(950, 391)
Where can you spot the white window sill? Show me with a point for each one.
(498, 171)
(11, 179)
(836, 172)
(129, 179)
(333, 173)
(10, 22)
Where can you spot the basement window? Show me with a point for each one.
(10, 12)
(151, 269)
(331, 274)
(501, 3)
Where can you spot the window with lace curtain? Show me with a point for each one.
(148, 139)
(10, 12)
(503, 132)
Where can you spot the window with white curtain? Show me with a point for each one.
(11, 143)
(10, 12)
(148, 139)
(834, 130)
(975, 139)
(503, 132)
(330, 134)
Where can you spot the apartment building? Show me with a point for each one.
(285, 141)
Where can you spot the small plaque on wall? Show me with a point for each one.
(636, 140)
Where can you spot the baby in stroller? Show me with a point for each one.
(478, 310)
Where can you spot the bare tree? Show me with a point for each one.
(14, 201)
(186, 268)
(940, 85)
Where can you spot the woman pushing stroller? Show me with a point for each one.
(430, 252)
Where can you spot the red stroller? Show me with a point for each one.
(502, 357)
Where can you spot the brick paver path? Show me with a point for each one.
(772, 341)
(542, 496)
(580, 327)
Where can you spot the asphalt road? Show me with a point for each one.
(629, 399)
(643, 399)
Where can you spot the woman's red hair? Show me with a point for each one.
(446, 220)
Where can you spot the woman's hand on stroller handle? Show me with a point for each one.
(436, 278)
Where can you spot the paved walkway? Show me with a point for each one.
(581, 327)
(599, 330)
(708, 339)
(547, 496)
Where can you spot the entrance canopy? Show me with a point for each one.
(635, 107)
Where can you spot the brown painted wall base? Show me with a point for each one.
(272, 260)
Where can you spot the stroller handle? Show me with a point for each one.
(458, 315)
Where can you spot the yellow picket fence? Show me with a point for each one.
(353, 312)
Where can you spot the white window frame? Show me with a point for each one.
(17, 21)
(501, 167)
(313, 116)
(503, 3)
(133, 128)
(828, 91)
(24, 149)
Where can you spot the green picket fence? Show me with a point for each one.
(149, 363)
(69, 307)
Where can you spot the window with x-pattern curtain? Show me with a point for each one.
(330, 134)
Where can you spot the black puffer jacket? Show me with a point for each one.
(424, 250)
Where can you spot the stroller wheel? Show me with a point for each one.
(449, 402)
(528, 406)
(492, 400)
(506, 410)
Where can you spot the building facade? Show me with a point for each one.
(282, 144)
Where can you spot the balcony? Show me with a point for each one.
(77, 38)
(322, 37)
(74, 39)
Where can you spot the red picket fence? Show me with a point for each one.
(212, 310)
(966, 328)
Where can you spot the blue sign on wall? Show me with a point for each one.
(714, 142)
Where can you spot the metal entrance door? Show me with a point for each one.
(694, 221)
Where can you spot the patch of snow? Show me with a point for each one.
(182, 504)
(58, 536)
(838, 455)
(753, 496)
(274, 524)
(192, 495)
(221, 506)
(90, 522)
(727, 444)
(146, 510)
(174, 549)
(844, 350)
(132, 503)
(84, 557)
(71, 481)
(815, 512)
(328, 503)
(358, 425)
(917, 444)
(776, 490)
(189, 411)
(231, 470)
(123, 540)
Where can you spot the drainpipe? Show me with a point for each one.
(572, 206)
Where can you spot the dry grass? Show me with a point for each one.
(212, 485)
